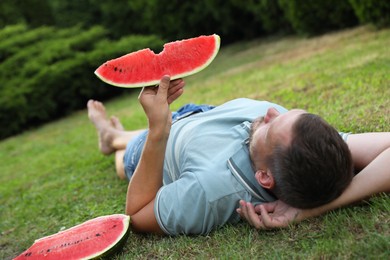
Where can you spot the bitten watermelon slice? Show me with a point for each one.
(95, 238)
(145, 68)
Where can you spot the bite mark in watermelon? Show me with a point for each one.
(145, 68)
(95, 238)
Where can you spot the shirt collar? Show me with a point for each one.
(241, 167)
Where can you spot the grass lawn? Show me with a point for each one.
(54, 177)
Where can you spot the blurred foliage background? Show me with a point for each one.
(50, 48)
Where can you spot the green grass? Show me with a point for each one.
(54, 177)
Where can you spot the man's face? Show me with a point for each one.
(274, 128)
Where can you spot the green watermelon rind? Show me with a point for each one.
(114, 249)
(109, 250)
(173, 77)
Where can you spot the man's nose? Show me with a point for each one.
(272, 113)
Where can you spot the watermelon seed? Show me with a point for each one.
(28, 254)
(48, 250)
(115, 69)
(98, 235)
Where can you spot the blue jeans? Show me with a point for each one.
(135, 146)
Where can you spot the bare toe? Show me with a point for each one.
(116, 123)
(96, 110)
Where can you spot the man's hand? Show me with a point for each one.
(370, 152)
(275, 214)
(156, 100)
(147, 177)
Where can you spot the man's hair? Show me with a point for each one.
(315, 168)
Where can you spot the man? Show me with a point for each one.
(188, 176)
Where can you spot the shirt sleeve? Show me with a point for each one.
(344, 136)
(182, 207)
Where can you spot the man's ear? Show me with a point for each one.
(265, 179)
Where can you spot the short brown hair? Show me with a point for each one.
(315, 168)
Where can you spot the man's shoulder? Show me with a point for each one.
(247, 102)
(243, 101)
(249, 106)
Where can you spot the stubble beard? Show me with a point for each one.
(254, 126)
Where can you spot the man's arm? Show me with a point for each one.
(366, 147)
(370, 152)
(147, 178)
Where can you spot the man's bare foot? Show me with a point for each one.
(104, 126)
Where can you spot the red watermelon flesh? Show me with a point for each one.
(145, 68)
(91, 239)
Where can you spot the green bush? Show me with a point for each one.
(53, 75)
(175, 19)
(35, 13)
(233, 20)
(376, 12)
(316, 17)
(18, 41)
(11, 30)
(270, 16)
(9, 13)
(83, 13)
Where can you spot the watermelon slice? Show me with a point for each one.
(145, 68)
(95, 238)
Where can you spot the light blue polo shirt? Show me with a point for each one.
(207, 169)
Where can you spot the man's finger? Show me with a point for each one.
(172, 97)
(253, 216)
(243, 211)
(269, 207)
(247, 211)
(266, 219)
(175, 87)
(240, 210)
(176, 82)
(162, 91)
